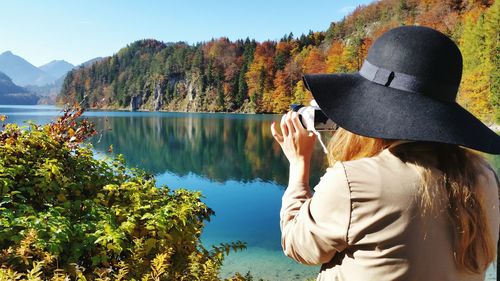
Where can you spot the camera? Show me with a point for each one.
(312, 118)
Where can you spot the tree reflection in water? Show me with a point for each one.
(219, 147)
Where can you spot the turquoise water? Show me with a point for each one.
(231, 158)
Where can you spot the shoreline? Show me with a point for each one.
(114, 109)
(494, 127)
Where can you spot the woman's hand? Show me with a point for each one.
(296, 142)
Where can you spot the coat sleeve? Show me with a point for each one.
(314, 227)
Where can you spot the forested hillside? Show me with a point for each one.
(10, 93)
(250, 76)
(7, 86)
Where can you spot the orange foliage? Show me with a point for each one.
(286, 47)
(438, 16)
(334, 60)
(365, 46)
(87, 84)
(315, 62)
(259, 77)
(225, 55)
(282, 92)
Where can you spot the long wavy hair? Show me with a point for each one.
(444, 168)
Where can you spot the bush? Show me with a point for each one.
(66, 214)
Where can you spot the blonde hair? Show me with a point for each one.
(345, 146)
(457, 169)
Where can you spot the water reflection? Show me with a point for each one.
(219, 147)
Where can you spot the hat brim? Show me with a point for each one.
(373, 110)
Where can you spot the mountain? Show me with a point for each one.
(49, 92)
(13, 94)
(22, 72)
(90, 62)
(57, 68)
(265, 77)
(40, 85)
(8, 87)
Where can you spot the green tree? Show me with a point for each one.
(65, 213)
(242, 86)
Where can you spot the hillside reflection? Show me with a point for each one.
(218, 147)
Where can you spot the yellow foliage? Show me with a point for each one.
(479, 47)
(474, 94)
(335, 60)
(300, 95)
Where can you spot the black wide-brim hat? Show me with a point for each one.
(405, 90)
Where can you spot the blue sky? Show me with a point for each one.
(41, 31)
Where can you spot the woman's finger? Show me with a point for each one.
(277, 136)
(297, 124)
(284, 129)
(289, 124)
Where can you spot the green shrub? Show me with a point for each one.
(66, 214)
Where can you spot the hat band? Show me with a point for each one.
(391, 79)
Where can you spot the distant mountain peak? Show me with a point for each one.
(55, 62)
(57, 68)
(22, 72)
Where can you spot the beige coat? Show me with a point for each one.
(364, 223)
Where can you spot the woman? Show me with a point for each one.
(403, 199)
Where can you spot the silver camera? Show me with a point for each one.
(312, 118)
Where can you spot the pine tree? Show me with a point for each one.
(242, 86)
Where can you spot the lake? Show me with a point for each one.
(231, 158)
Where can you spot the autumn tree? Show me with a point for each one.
(479, 46)
(243, 75)
(335, 58)
(353, 53)
(260, 75)
(282, 92)
(492, 42)
(315, 61)
(300, 94)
